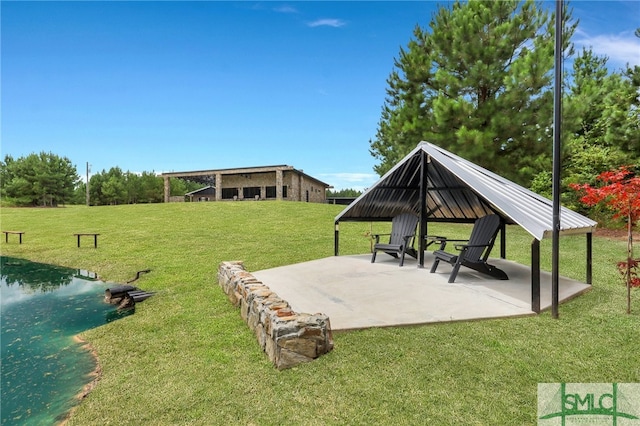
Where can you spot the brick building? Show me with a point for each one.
(254, 183)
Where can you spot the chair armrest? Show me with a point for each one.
(377, 237)
(434, 238)
(440, 239)
(443, 241)
(466, 246)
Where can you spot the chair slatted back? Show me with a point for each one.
(401, 226)
(484, 231)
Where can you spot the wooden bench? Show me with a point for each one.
(95, 238)
(6, 235)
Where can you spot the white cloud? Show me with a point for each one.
(286, 9)
(621, 49)
(335, 23)
(13, 294)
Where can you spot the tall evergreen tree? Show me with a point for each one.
(607, 106)
(95, 189)
(113, 188)
(477, 83)
(601, 126)
(43, 179)
(133, 188)
(152, 188)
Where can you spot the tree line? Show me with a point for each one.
(46, 179)
(117, 187)
(346, 192)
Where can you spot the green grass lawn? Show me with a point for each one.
(186, 356)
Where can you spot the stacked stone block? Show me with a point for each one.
(288, 338)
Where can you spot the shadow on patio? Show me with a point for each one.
(355, 293)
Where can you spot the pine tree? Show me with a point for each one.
(477, 83)
(600, 122)
(43, 179)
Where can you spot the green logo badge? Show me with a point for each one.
(616, 404)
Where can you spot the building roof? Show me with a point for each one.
(459, 191)
(207, 176)
(205, 188)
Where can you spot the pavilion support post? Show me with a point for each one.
(167, 189)
(535, 276)
(424, 160)
(503, 240)
(589, 258)
(336, 239)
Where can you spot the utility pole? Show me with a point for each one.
(87, 185)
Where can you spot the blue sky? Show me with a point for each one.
(178, 86)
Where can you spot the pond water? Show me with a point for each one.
(43, 367)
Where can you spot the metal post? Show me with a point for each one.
(557, 117)
(423, 207)
(589, 258)
(535, 276)
(503, 240)
(336, 238)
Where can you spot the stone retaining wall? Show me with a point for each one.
(288, 338)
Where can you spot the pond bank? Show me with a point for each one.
(96, 374)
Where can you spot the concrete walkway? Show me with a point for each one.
(355, 293)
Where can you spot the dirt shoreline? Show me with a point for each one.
(96, 374)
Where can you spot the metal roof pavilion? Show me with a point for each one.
(439, 186)
(458, 191)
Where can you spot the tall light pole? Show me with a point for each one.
(557, 128)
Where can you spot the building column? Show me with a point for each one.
(218, 186)
(279, 184)
(167, 189)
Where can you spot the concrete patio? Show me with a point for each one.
(355, 293)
